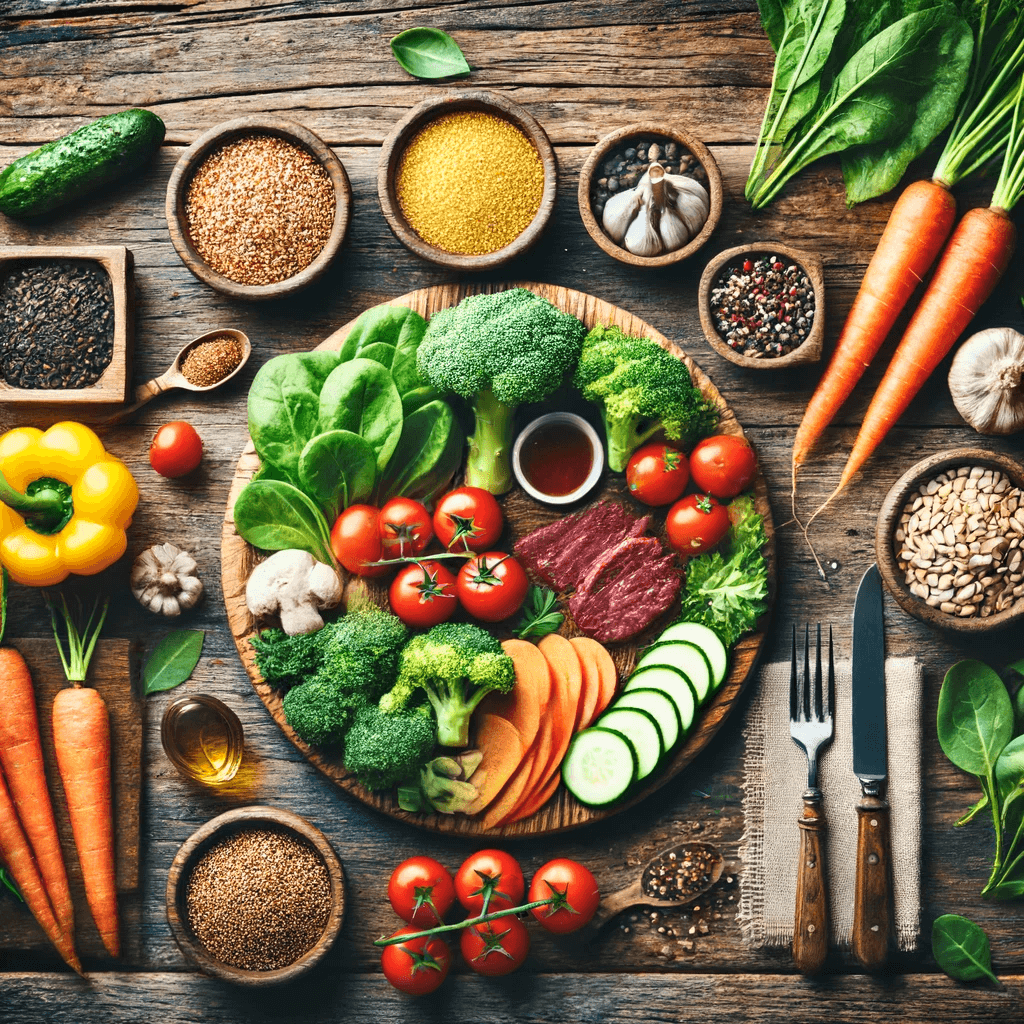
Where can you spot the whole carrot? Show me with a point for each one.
(81, 741)
(21, 756)
(16, 853)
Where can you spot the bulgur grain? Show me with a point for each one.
(212, 360)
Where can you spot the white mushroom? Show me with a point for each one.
(164, 580)
(294, 585)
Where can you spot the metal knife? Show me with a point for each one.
(872, 912)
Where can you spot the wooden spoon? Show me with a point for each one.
(174, 378)
(634, 895)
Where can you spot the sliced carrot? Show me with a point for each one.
(527, 701)
(535, 803)
(16, 853)
(591, 685)
(503, 751)
(510, 797)
(609, 673)
(564, 661)
(21, 755)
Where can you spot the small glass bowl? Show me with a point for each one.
(597, 457)
(203, 738)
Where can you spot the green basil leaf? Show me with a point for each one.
(275, 516)
(975, 719)
(429, 53)
(960, 948)
(540, 614)
(173, 660)
(337, 469)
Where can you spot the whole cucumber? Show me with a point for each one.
(69, 167)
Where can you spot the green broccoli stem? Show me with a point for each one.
(624, 438)
(490, 445)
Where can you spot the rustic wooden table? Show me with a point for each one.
(582, 68)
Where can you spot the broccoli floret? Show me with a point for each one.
(285, 660)
(320, 711)
(360, 651)
(643, 390)
(457, 664)
(498, 351)
(382, 750)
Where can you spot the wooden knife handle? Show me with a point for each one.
(872, 908)
(810, 924)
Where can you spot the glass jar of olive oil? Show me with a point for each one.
(203, 738)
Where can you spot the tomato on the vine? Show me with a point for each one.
(468, 519)
(355, 540)
(492, 586)
(421, 891)
(423, 594)
(497, 947)
(176, 449)
(723, 465)
(657, 474)
(405, 528)
(696, 524)
(489, 872)
(575, 891)
(416, 966)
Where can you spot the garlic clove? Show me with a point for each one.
(641, 239)
(674, 233)
(985, 381)
(619, 212)
(692, 213)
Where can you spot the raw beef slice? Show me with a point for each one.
(563, 553)
(627, 588)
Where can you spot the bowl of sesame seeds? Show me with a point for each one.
(467, 180)
(256, 896)
(258, 207)
(762, 306)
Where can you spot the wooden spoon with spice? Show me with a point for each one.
(203, 364)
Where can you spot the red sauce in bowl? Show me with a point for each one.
(557, 458)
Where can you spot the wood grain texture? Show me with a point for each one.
(810, 921)
(872, 898)
(523, 515)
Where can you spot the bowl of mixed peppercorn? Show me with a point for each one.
(763, 306)
(258, 207)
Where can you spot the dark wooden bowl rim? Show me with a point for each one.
(885, 529)
(221, 134)
(228, 823)
(430, 110)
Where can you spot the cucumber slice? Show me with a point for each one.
(707, 640)
(659, 704)
(673, 684)
(599, 766)
(643, 731)
(685, 656)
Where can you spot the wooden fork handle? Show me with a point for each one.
(810, 924)
(872, 908)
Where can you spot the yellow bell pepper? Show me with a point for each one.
(66, 504)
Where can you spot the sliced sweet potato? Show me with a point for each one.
(503, 751)
(527, 701)
(511, 794)
(530, 807)
(565, 662)
(609, 673)
(591, 694)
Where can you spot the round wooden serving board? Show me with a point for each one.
(522, 515)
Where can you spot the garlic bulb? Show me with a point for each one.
(163, 580)
(985, 381)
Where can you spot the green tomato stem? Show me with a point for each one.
(468, 923)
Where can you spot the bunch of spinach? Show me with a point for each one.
(979, 732)
(336, 428)
(875, 85)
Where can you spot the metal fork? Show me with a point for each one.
(810, 725)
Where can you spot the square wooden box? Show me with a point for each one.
(113, 385)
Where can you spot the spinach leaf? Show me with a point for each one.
(429, 452)
(429, 53)
(975, 719)
(276, 516)
(337, 469)
(961, 949)
(359, 396)
(173, 660)
(1010, 768)
(1016, 668)
(973, 812)
(396, 327)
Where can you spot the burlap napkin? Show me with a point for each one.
(775, 774)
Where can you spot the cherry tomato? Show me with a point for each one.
(423, 594)
(492, 586)
(496, 948)
(576, 895)
(421, 891)
(405, 528)
(723, 465)
(696, 524)
(657, 474)
(417, 966)
(176, 449)
(468, 519)
(355, 540)
(491, 872)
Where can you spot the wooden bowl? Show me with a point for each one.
(220, 135)
(430, 110)
(888, 521)
(590, 170)
(113, 383)
(224, 825)
(809, 351)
